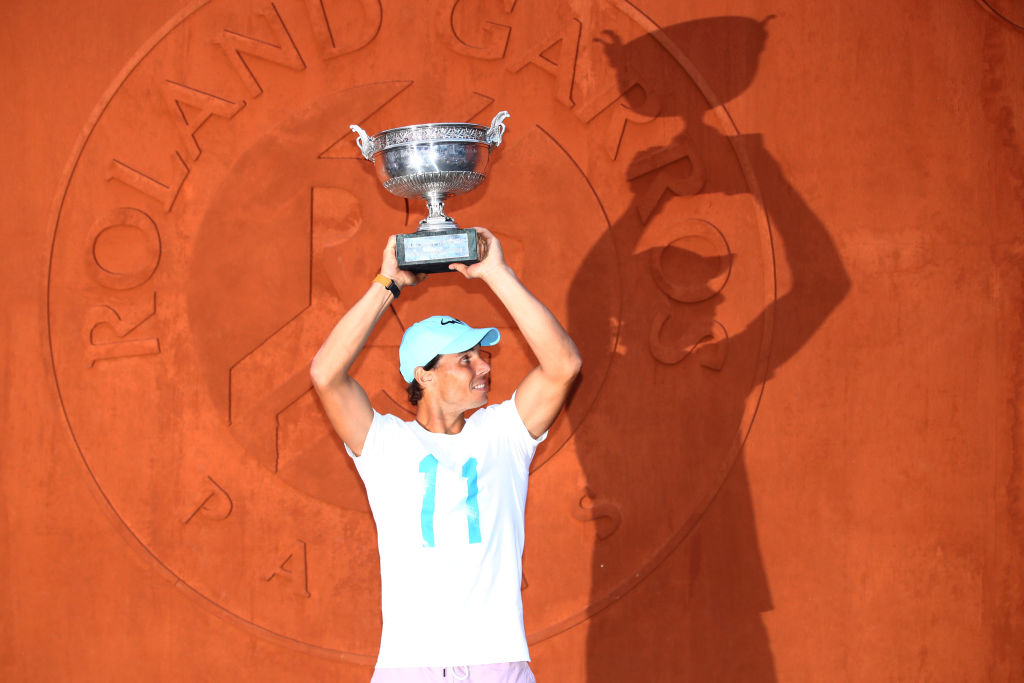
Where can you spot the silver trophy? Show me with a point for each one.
(433, 161)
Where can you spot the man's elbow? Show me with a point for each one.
(571, 366)
(317, 377)
(321, 376)
(577, 364)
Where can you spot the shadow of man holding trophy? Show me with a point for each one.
(694, 364)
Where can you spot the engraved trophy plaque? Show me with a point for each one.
(433, 161)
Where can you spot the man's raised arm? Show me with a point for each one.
(542, 392)
(346, 403)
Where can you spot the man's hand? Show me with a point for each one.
(492, 259)
(389, 267)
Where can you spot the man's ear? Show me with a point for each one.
(423, 376)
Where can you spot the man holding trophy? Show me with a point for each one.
(447, 492)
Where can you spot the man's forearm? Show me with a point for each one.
(346, 340)
(555, 351)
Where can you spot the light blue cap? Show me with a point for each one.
(436, 335)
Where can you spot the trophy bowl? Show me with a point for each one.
(433, 161)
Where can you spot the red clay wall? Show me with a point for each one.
(786, 237)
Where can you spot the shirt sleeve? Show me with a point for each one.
(371, 445)
(519, 436)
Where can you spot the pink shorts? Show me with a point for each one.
(506, 672)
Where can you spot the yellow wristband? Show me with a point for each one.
(388, 284)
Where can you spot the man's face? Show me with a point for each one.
(462, 379)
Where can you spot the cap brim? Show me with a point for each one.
(486, 336)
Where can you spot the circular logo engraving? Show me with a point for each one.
(219, 219)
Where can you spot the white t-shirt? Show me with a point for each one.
(449, 510)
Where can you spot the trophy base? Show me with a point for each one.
(432, 251)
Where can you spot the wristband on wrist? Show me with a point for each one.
(388, 284)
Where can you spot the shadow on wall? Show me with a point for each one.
(698, 615)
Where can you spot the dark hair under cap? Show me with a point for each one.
(414, 389)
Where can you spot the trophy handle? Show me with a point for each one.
(366, 145)
(497, 129)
